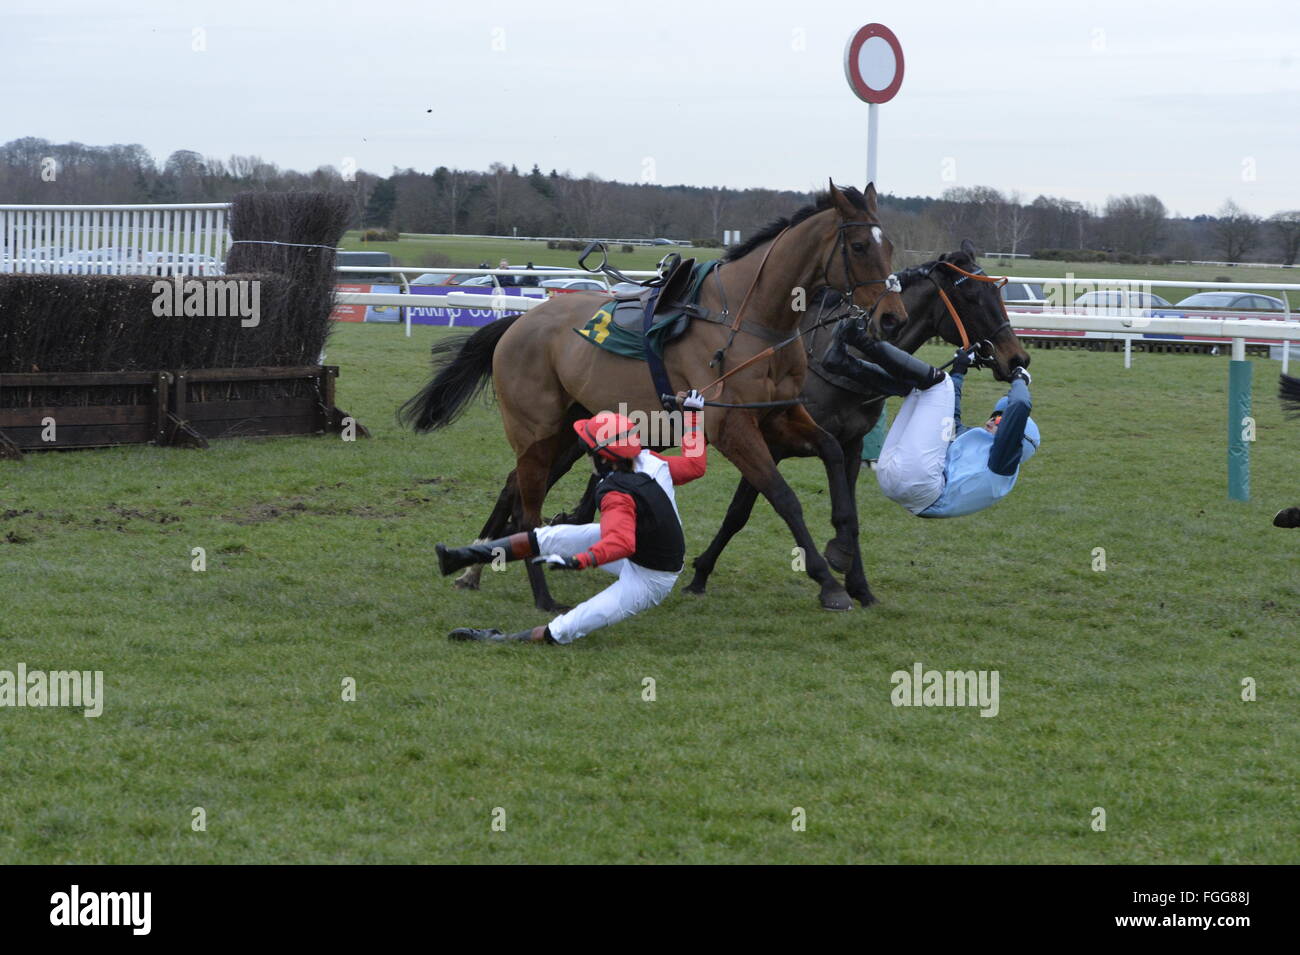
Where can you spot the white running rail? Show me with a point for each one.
(162, 239)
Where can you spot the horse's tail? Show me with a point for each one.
(1289, 392)
(462, 365)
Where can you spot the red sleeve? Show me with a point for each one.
(617, 531)
(694, 459)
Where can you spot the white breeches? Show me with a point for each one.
(912, 461)
(636, 589)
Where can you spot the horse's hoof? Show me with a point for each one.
(839, 558)
(837, 600)
(695, 589)
(466, 581)
(866, 598)
(554, 608)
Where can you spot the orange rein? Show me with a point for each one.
(999, 281)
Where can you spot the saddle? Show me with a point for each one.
(646, 319)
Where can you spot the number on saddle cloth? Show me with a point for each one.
(619, 326)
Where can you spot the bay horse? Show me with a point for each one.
(949, 297)
(544, 375)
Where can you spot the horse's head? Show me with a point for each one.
(960, 286)
(859, 260)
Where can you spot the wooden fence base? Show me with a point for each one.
(182, 408)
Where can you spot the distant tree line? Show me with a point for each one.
(507, 201)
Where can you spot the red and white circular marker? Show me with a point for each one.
(873, 63)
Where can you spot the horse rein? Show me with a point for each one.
(979, 276)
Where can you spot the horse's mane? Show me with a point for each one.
(821, 202)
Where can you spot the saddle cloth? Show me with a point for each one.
(619, 324)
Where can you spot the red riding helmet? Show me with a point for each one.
(609, 435)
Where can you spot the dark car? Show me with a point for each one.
(1232, 301)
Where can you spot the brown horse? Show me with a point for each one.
(544, 374)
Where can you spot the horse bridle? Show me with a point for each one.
(890, 281)
(978, 275)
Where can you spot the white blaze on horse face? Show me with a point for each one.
(877, 234)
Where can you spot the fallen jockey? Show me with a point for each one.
(639, 538)
(931, 463)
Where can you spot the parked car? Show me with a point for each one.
(1023, 293)
(437, 278)
(1232, 301)
(1118, 303)
(363, 259)
(576, 285)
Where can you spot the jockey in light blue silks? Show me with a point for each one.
(931, 463)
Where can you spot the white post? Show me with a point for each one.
(1128, 351)
(873, 128)
(1239, 349)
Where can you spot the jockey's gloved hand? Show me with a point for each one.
(694, 401)
(1022, 374)
(961, 362)
(558, 562)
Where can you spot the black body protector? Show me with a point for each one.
(659, 541)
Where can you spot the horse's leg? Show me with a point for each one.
(533, 478)
(742, 442)
(504, 517)
(855, 581)
(796, 430)
(839, 549)
(585, 510)
(738, 512)
(499, 524)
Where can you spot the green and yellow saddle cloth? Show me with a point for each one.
(619, 325)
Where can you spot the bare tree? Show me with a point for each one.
(1235, 231)
(1019, 222)
(1134, 223)
(1286, 226)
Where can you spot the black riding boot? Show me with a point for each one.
(514, 547)
(837, 360)
(535, 635)
(901, 365)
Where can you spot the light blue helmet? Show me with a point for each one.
(1032, 438)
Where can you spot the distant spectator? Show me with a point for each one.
(505, 280)
(530, 280)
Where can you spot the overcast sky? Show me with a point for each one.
(1196, 102)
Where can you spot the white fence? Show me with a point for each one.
(166, 239)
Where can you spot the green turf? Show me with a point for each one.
(1119, 689)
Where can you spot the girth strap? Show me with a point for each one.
(658, 371)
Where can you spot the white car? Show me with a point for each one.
(576, 285)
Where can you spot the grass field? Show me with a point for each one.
(1119, 689)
